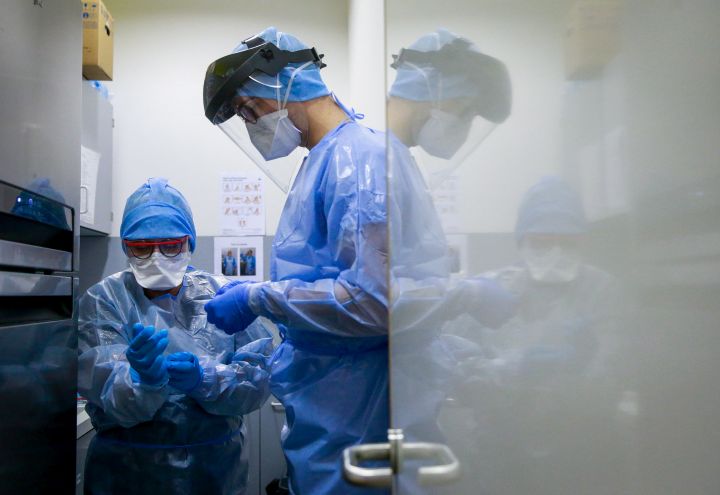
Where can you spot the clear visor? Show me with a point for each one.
(271, 131)
(445, 142)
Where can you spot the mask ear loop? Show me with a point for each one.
(290, 83)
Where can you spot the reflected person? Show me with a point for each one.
(444, 89)
(544, 386)
(166, 390)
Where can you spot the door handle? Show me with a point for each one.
(277, 406)
(87, 196)
(445, 470)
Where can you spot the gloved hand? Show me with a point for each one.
(145, 355)
(184, 370)
(488, 302)
(222, 290)
(229, 310)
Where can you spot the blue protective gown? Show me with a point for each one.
(229, 266)
(329, 294)
(157, 439)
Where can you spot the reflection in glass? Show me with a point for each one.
(45, 206)
(572, 348)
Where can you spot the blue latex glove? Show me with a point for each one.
(145, 355)
(488, 302)
(184, 370)
(229, 309)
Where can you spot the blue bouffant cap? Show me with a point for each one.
(157, 210)
(550, 207)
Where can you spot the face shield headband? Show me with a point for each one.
(228, 73)
(484, 72)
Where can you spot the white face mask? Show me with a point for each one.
(158, 272)
(274, 135)
(553, 265)
(442, 134)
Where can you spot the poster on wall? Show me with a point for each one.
(239, 258)
(445, 198)
(242, 205)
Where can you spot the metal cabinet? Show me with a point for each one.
(97, 158)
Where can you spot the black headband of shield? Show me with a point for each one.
(228, 73)
(458, 58)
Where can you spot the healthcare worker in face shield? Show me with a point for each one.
(166, 389)
(446, 97)
(329, 264)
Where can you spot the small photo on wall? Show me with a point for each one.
(239, 258)
(229, 261)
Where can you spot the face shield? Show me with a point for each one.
(466, 95)
(244, 95)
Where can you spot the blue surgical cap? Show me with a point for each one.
(550, 207)
(307, 83)
(429, 83)
(156, 210)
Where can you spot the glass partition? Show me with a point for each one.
(555, 244)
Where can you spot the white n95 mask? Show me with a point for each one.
(554, 265)
(274, 135)
(158, 272)
(442, 134)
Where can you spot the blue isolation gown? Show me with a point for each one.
(329, 295)
(158, 439)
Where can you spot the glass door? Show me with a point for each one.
(554, 207)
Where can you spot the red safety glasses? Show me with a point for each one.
(143, 249)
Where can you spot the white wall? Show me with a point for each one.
(527, 36)
(162, 49)
(366, 33)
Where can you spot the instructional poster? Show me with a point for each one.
(242, 208)
(239, 258)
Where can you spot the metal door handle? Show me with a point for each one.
(277, 407)
(446, 469)
(87, 196)
(357, 475)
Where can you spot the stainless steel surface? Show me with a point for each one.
(14, 195)
(33, 285)
(40, 108)
(41, 57)
(38, 383)
(29, 256)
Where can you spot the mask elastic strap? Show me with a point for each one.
(290, 83)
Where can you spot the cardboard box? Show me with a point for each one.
(592, 37)
(98, 37)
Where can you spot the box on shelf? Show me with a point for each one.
(98, 36)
